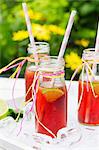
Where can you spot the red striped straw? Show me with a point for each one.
(67, 34)
(97, 40)
(29, 28)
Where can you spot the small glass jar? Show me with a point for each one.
(51, 102)
(88, 90)
(42, 50)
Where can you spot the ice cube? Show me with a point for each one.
(69, 135)
(7, 126)
(6, 122)
(40, 138)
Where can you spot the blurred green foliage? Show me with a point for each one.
(54, 12)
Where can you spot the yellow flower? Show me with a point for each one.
(55, 29)
(20, 35)
(41, 32)
(72, 60)
(33, 15)
(82, 42)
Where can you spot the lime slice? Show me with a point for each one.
(52, 94)
(3, 109)
(96, 87)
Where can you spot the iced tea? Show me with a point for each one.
(88, 112)
(51, 109)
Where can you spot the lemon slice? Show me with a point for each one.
(96, 87)
(52, 94)
(3, 109)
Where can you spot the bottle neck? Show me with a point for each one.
(52, 80)
(92, 59)
(41, 48)
(51, 64)
(90, 55)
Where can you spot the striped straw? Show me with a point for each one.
(67, 34)
(97, 40)
(29, 28)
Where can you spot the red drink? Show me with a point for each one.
(29, 76)
(88, 112)
(51, 107)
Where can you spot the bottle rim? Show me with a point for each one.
(42, 47)
(51, 64)
(90, 54)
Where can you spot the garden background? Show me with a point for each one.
(49, 19)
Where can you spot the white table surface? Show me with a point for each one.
(6, 86)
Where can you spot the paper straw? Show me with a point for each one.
(29, 28)
(97, 40)
(67, 33)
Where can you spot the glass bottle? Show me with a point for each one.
(42, 50)
(88, 90)
(51, 103)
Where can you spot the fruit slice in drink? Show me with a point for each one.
(96, 87)
(52, 94)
